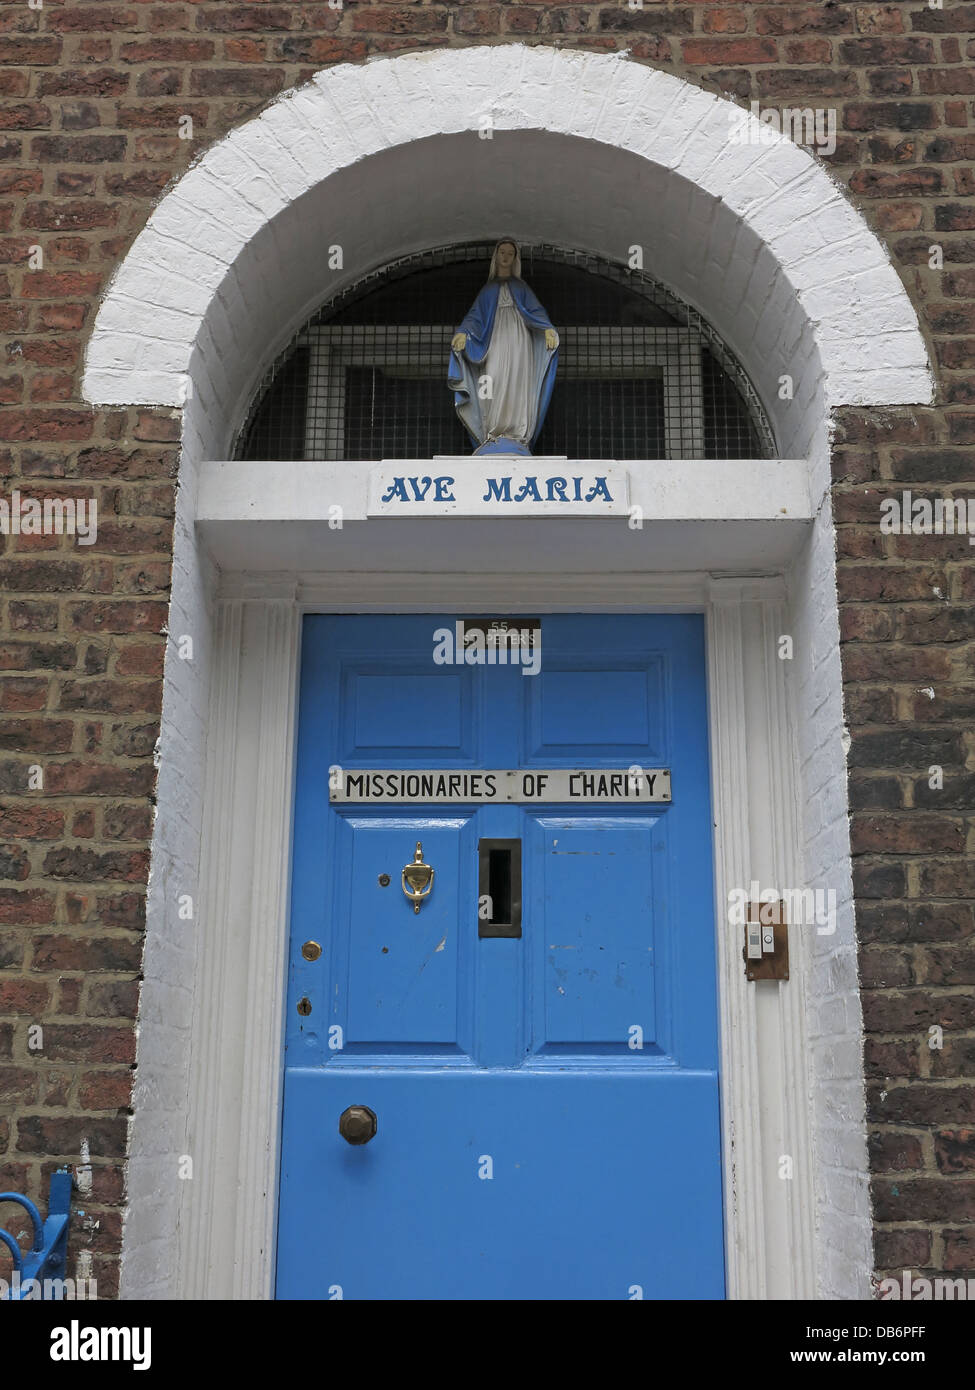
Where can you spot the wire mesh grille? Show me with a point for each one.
(640, 374)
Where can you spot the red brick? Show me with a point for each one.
(892, 82)
(14, 83)
(21, 181)
(18, 1085)
(158, 428)
(902, 1248)
(22, 693)
(20, 906)
(959, 352)
(111, 697)
(51, 386)
(31, 822)
(88, 1043)
(879, 19)
(99, 779)
(22, 996)
(174, 50)
(134, 615)
(249, 81)
(890, 115)
(805, 20)
(744, 50)
(105, 1090)
(35, 736)
(159, 117)
(817, 50)
(953, 217)
(885, 52)
(31, 52)
(245, 50)
(937, 81)
(38, 1134)
(91, 19)
(141, 660)
(924, 1199)
(911, 834)
(242, 18)
(113, 999)
(521, 19)
(99, 83)
(907, 183)
(309, 49)
(806, 82)
(78, 149)
(898, 217)
(62, 284)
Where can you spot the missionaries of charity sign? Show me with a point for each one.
(560, 786)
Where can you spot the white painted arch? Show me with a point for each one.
(223, 263)
(592, 152)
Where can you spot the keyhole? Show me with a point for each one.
(304, 1006)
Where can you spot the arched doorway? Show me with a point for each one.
(601, 156)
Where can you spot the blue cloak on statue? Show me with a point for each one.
(463, 368)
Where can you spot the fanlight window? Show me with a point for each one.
(640, 376)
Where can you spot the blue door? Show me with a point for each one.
(525, 1116)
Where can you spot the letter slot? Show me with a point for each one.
(499, 888)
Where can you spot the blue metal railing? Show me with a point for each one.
(46, 1260)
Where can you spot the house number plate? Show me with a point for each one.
(561, 786)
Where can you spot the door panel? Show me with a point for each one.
(409, 1217)
(548, 1116)
(595, 930)
(395, 975)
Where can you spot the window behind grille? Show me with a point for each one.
(640, 374)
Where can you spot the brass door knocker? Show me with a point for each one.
(417, 879)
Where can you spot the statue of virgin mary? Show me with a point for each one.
(502, 360)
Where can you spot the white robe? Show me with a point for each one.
(509, 412)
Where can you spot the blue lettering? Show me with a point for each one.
(441, 494)
(397, 489)
(529, 489)
(499, 490)
(599, 489)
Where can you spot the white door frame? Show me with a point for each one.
(228, 1213)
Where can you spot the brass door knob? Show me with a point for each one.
(358, 1124)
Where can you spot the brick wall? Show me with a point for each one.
(908, 623)
(94, 100)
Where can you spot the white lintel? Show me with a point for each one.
(260, 516)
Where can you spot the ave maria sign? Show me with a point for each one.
(467, 487)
